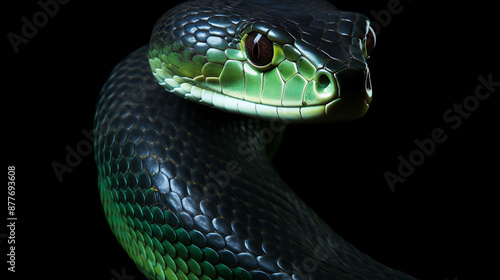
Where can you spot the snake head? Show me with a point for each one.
(297, 63)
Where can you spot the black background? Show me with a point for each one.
(440, 223)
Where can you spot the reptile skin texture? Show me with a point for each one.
(189, 191)
(198, 43)
(197, 30)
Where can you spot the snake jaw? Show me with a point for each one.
(177, 184)
(301, 94)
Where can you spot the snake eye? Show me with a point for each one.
(259, 49)
(369, 42)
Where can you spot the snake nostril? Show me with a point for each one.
(323, 80)
(325, 85)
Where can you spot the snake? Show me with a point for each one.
(186, 128)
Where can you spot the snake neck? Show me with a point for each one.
(174, 174)
(225, 141)
(257, 141)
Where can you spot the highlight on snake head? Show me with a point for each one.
(297, 68)
(184, 194)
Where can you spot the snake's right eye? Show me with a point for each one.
(369, 43)
(259, 49)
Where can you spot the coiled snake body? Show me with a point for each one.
(185, 191)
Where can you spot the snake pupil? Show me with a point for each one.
(259, 49)
(255, 51)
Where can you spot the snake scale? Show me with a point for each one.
(185, 191)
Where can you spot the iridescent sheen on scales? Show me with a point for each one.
(185, 191)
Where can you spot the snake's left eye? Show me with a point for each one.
(259, 49)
